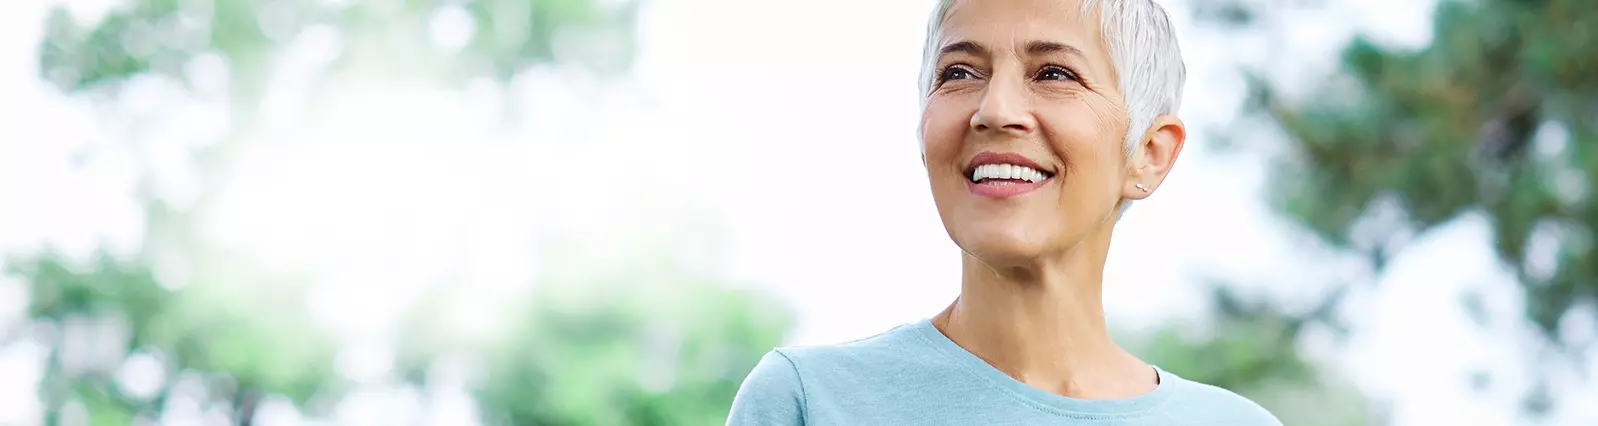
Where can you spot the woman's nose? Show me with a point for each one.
(1005, 109)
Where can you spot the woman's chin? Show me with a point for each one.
(1002, 251)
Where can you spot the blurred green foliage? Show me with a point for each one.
(648, 343)
(161, 36)
(1497, 116)
(262, 340)
(1252, 348)
(247, 333)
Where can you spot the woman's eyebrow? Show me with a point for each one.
(966, 47)
(1033, 48)
(1040, 48)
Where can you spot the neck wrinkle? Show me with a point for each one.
(1044, 325)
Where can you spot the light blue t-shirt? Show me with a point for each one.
(914, 375)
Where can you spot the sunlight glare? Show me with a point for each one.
(373, 194)
(365, 361)
(19, 365)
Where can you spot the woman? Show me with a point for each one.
(1042, 120)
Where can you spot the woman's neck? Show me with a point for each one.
(1045, 327)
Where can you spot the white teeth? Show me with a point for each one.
(1006, 171)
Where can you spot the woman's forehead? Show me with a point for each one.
(1016, 23)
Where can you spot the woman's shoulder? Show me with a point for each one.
(778, 391)
(898, 352)
(1220, 405)
(884, 348)
(887, 345)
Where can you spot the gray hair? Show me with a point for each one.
(1142, 46)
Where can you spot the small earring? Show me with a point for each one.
(1142, 187)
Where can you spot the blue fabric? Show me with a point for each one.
(914, 375)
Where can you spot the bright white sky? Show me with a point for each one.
(811, 107)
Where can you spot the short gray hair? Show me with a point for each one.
(1142, 43)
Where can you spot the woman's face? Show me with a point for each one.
(1023, 129)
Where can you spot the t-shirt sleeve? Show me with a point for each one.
(772, 395)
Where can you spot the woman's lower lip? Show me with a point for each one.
(1004, 190)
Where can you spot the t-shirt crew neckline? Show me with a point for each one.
(1038, 398)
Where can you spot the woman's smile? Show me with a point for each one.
(1004, 175)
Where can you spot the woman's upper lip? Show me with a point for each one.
(988, 157)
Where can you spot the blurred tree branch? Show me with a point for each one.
(1497, 116)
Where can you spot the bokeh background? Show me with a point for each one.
(603, 212)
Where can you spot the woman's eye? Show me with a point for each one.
(1056, 74)
(954, 73)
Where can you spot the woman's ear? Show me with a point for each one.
(1152, 158)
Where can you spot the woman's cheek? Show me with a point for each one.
(941, 128)
(1087, 125)
(1111, 120)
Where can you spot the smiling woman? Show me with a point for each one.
(1041, 121)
